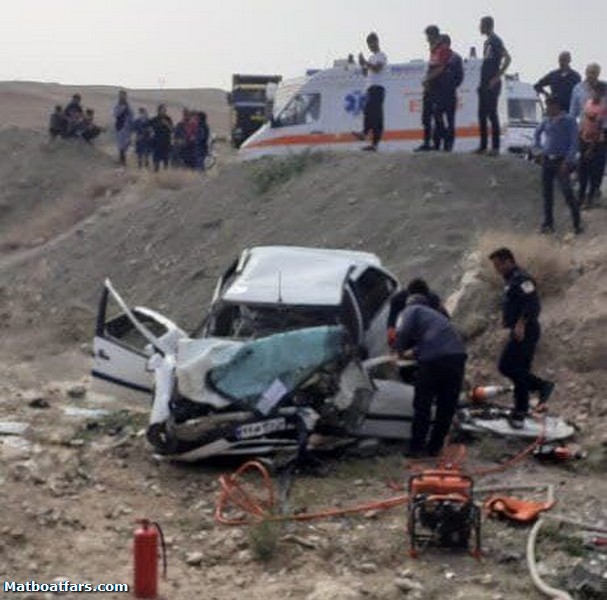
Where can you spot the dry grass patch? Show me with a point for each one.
(270, 172)
(109, 183)
(263, 539)
(546, 261)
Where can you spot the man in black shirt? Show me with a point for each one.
(561, 81)
(162, 126)
(496, 61)
(520, 314)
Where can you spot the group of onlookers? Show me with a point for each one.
(73, 121)
(183, 145)
(444, 75)
(157, 140)
(573, 136)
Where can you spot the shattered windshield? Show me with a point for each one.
(291, 358)
(242, 321)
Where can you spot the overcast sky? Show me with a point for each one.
(200, 43)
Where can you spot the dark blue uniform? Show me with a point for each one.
(521, 301)
(441, 357)
(561, 84)
(493, 51)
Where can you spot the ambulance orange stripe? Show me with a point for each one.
(345, 138)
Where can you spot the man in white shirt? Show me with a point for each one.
(579, 97)
(581, 91)
(374, 67)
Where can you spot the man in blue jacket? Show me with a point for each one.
(441, 357)
(557, 138)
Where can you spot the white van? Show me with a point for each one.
(320, 111)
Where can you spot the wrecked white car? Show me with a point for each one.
(277, 358)
(216, 397)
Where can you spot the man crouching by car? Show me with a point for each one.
(441, 357)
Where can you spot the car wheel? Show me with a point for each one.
(159, 438)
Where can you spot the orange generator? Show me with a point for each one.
(442, 511)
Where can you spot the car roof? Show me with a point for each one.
(294, 275)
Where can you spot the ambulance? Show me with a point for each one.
(321, 110)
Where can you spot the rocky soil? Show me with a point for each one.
(76, 471)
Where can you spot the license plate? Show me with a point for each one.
(251, 430)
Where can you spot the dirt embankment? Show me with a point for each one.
(72, 486)
(165, 248)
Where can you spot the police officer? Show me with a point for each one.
(441, 358)
(520, 313)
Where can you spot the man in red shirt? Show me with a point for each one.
(440, 53)
(592, 142)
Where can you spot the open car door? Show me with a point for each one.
(373, 289)
(125, 339)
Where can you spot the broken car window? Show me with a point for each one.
(372, 289)
(243, 321)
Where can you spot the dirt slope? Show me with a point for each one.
(46, 187)
(165, 248)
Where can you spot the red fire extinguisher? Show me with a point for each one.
(145, 551)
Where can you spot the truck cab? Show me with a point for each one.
(250, 103)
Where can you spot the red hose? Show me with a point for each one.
(234, 495)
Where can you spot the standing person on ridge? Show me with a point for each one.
(581, 92)
(162, 126)
(432, 99)
(123, 116)
(496, 61)
(561, 81)
(374, 67)
(557, 137)
(446, 105)
(593, 131)
(143, 138)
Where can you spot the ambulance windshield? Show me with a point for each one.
(302, 109)
(524, 110)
